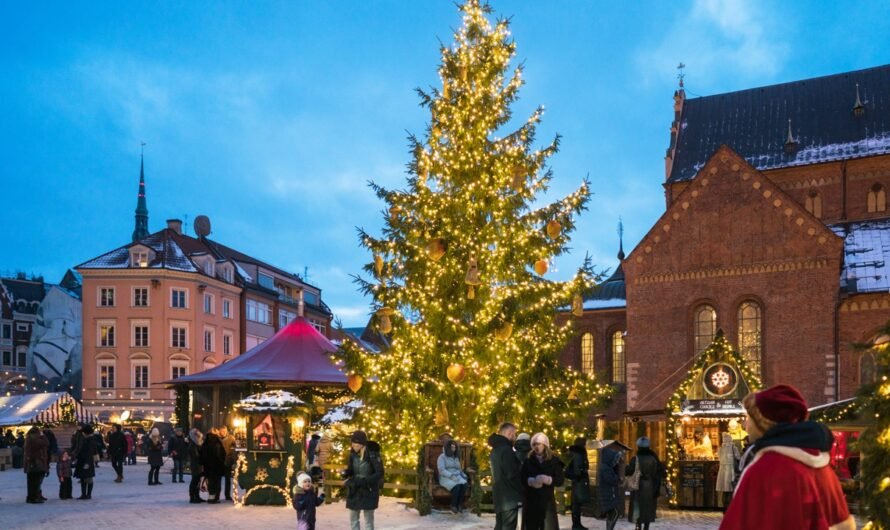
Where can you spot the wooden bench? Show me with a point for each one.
(431, 451)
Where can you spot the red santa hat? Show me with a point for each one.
(777, 404)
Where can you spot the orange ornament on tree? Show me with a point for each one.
(553, 229)
(541, 267)
(354, 382)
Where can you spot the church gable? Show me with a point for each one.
(732, 220)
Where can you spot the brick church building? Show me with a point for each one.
(775, 230)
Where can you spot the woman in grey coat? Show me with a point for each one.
(451, 475)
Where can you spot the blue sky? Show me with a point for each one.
(269, 117)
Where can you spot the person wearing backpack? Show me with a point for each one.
(647, 474)
(608, 478)
(363, 479)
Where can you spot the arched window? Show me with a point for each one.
(705, 327)
(587, 353)
(867, 373)
(814, 204)
(619, 367)
(877, 199)
(750, 338)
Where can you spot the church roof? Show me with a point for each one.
(866, 256)
(608, 294)
(755, 122)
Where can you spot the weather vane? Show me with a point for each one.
(682, 74)
(143, 147)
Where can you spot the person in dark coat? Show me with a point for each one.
(36, 464)
(196, 441)
(578, 472)
(541, 472)
(53, 444)
(609, 479)
(117, 450)
(229, 443)
(63, 471)
(85, 468)
(154, 448)
(506, 487)
(652, 473)
(363, 476)
(177, 448)
(523, 446)
(213, 461)
(306, 500)
(310, 449)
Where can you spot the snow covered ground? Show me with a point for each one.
(135, 505)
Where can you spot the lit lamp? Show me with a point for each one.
(881, 340)
(125, 415)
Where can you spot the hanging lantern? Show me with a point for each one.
(436, 249)
(456, 373)
(504, 332)
(385, 324)
(553, 229)
(472, 278)
(378, 264)
(577, 305)
(354, 382)
(463, 72)
(541, 267)
(519, 175)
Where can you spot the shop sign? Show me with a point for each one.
(699, 405)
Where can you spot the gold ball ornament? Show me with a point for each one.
(472, 278)
(504, 332)
(541, 267)
(577, 305)
(553, 229)
(394, 211)
(519, 175)
(354, 382)
(456, 372)
(436, 249)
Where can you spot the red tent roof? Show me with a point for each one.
(298, 353)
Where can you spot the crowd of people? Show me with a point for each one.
(783, 479)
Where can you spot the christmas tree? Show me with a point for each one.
(874, 402)
(459, 275)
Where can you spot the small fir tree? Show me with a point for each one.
(874, 444)
(459, 276)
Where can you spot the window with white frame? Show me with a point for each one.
(106, 296)
(251, 341)
(6, 332)
(139, 258)
(208, 339)
(106, 374)
(227, 343)
(140, 374)
(317, 324)
(140, 296)
(179, 336)
(178, 369)
(7, 357)
(179, 298)
(208, 267)
(227, 308)
(140, 334)
(22, 326)
(208, 303)
(259, 312)
(285, 317)
(106, 334)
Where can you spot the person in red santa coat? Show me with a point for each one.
(788, 483)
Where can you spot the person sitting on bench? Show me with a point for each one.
(451, 475)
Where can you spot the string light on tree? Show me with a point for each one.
(465, 246)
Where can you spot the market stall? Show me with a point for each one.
(705, 427)
(272, 424)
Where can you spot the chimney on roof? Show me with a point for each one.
(175, 225)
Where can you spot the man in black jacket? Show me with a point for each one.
(364, 476)
(506, 486)
(117, 448)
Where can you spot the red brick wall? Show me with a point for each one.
(725, 239)
(860, 319)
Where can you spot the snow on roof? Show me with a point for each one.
(168, 255)
(274, 400)
(605, 304)
(243, 273)
(341, 413)
(866, 253)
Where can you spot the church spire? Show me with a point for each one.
(621, 239)
(141, 229)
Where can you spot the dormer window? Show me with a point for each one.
(140, 256)
(208, 267)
